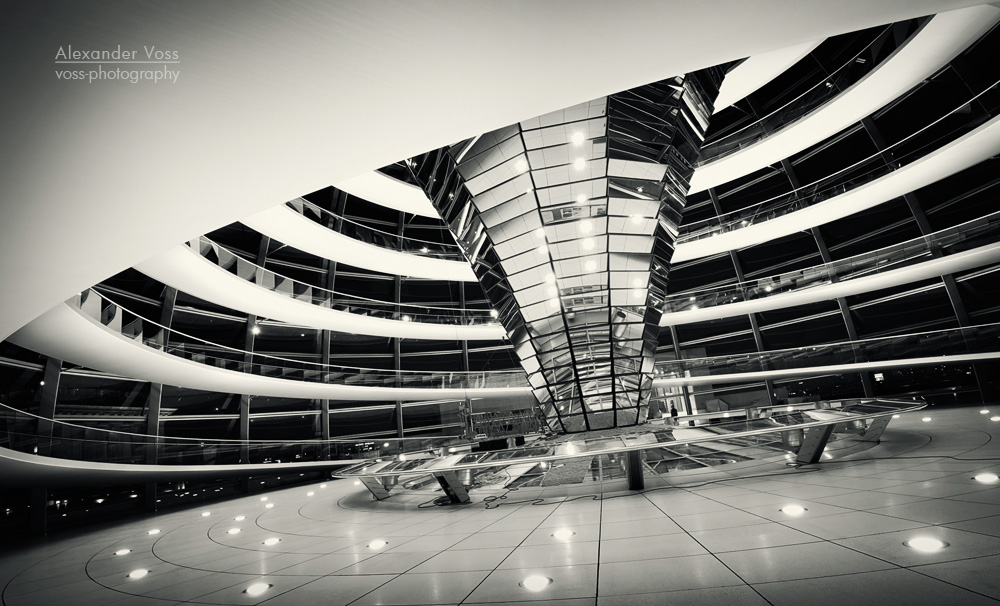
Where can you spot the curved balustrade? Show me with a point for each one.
(971, 234)
(829, 86)
(767, 436)
(18, 432)
(151, 334)
(377, 237)
(984, 338)
(973, 113)
(289, 287)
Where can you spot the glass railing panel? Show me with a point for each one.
(969, 235)
(285, 286)
(960, 120)
(831, 85)
(204, 352)
(376, 237)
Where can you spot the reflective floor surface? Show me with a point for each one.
(861, 536)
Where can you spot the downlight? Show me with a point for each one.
(536, 582)
(257, 589)
(925, 544)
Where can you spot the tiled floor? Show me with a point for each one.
(725, 542)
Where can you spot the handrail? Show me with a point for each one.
(377, 237)
(348, 303)
(961, 237)
(982, 338)
(828, 87)
(835, 184)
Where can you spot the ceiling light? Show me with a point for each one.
(925, 544)
(272, 541)
(767, 289)
(986, 478)
(590, 265)
(98, 501)
(553, 302)
(926, 419)
(357, 482)
(153, 531)
(581, 199)
(637, 282)
(550, 278)
(542, 250)
(793, 510)
(637, 219)
(402, 457)
(536, 582)
(577, 138)
(521, 165)
(406, 318)
(257, 589)
(377, 544)
(255, 329)
(579, 164)
(553, 291)
(586, 226)
(540, 233)
(493, 313)
(563, 534)
(233, 531)
(123, 552)
(138, 573)
(269, 506)
(789, 408)
(588, 243)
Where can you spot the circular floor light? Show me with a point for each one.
(240, 518)
(310, 493)
(536, 582)
(122, 552)
(257, 589)
(322, 485)
(995, 418)
(269, 506)
(153, 531)
(205, 514)
(377, 544)
(563, 534)
(986, 478)
(984, 412)
(263, 498)
(272, 541)
(895, 416)
(926, 419)
(138, 573)
(233, 531)
(925, 544)
(793, 510)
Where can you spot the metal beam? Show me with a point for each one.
(813, 442)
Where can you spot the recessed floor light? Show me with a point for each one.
(263, 498)
(563, 533)
(240, 518)
(357, 482)
(984, 412)
(233, 531)
(895, 416)
(793, 510)
(322, 485)
(986, 478)
(925, 544)
(926, 419)
(377, 544)
(153, 531)
(272, 541)
(205, 514)
(310, 493)
(257, 589)
(269, 506)
(123, 551)
(138, 573)
(994, 418)
(536, 582)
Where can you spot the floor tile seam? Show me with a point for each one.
(933, 523)
(743, 584)
(504, 559)
(933, 578)
(711, 553)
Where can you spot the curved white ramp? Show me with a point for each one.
(758, 70)
(937, 43)
(187, 271)
(291, 228)
(383, 190)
